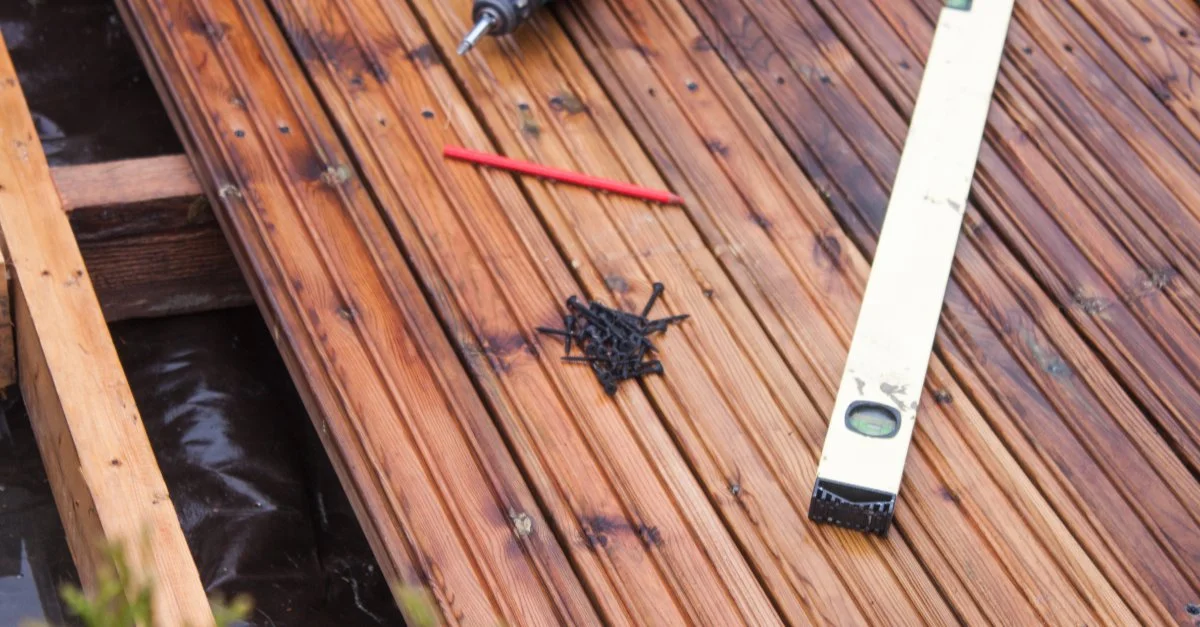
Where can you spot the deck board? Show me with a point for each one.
(1053, 476)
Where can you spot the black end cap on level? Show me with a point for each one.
(852, 507)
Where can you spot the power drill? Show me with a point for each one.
(498, 17)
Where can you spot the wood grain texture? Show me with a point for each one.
(819, 79)
(443, 504)
(126, 182)
(8, 349)
(149, 239)
(775, 228)
(102, 471)
(1054, 479)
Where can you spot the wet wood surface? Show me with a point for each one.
(1053, 476)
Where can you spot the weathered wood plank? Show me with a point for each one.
(149, 239)
(432, 480)
(8, 350)
(126, 183)
(102, 470)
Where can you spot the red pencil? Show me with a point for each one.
(525, 167)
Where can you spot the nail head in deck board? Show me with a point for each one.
(82, 411)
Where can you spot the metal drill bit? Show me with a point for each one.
(485, 24)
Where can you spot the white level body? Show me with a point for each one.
(872, 420)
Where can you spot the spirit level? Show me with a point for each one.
(872, 421)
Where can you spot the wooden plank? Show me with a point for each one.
(149, 239)
(432, 481)
(8, 351)
(102, 470)
(126, 182)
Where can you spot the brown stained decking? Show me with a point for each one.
(1053, 476)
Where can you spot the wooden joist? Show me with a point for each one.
(103, 473)
(149, 239)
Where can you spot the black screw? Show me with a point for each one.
(614, 342)
(655, 292)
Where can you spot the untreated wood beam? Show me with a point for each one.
(102, 471)
(8, 357)
(148, 238)
(127, 183)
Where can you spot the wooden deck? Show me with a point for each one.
(1054, 473)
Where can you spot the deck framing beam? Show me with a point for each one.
(102, 470)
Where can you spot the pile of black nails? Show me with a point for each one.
(615, 343)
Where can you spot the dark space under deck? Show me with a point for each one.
(1053, 476)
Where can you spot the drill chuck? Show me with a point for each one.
(498, 17)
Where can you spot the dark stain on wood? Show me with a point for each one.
(425, 54)
(1090, 305)
(760, 220)
(827, 251)
(702, 44)
(214, 32)
(950, 495)
(617, 283)
(943, 397)
(376, 69)
(650, 535)
(568, 102)
(502, 350)
(340, 50)
(529, 126)
(716, 147)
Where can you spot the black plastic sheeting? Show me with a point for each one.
(87, 89)
(34, 560)
(259, 503)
